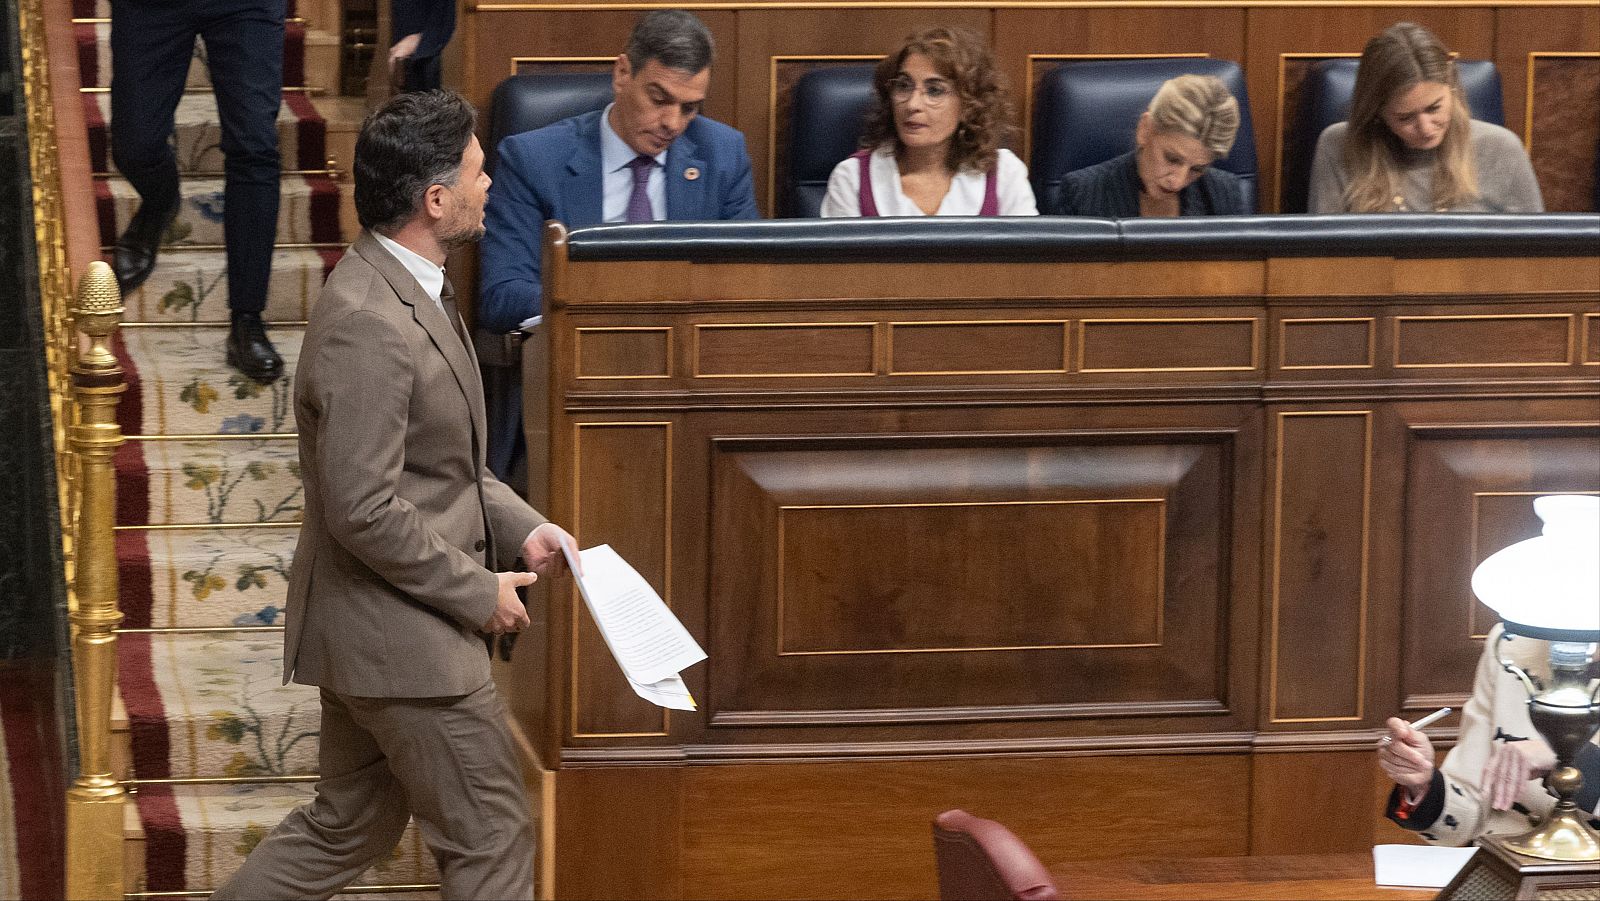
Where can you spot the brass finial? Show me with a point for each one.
(96, 313)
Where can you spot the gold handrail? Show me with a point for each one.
(95, 801)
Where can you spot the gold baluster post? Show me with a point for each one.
(95, 801)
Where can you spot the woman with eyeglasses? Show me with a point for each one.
(932, 141)
(1411, 144)
(1190, 124)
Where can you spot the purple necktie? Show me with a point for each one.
(639, 201)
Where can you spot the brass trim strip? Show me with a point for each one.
(1028, 84)
(281, 245)
(349, 890)
(1372, 342)
(252, 436)
(576, 600)
(225, 780)
(772, 109)
(1533, 57)
(1277, 563)
(205, 173)
(178, 526)
(288, 89)
(1255, 343)
(195, 630)
(210, 323)
(1066, 344)
(1466, 317)
(103, 20)
(1161, 576)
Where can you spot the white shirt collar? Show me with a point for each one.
(615, 152)
(429, 275)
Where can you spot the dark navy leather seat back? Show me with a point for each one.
(1325, 99)
(525, 102)
(827, 110)
(1086, 112)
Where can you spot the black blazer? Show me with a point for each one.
(1110, 190)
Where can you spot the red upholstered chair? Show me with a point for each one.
(981, 860)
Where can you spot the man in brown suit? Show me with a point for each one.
(396, 577)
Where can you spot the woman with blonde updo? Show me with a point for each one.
(1411, 144)
(931, 145)
(1190, 124)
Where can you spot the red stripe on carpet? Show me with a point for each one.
(99, 155)
(105, 208)
(147, 718)
(311, 132)
(294, 54)
(38, 781)
(324, 210)
(88, 56)
(134, 574)
(133, 474)
(165, 845)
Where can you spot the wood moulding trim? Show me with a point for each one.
(933, 749)
(747, 718)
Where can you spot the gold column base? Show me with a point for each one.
(94, 816)
(1562, 836)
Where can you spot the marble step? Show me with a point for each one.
(213, 705)
(308, 211)
(185, 386)
(204, 482)
(94, 56)
(192, 286)
(197, 133)
(204, 578)
(193, 837)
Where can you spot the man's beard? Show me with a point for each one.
(455, 239)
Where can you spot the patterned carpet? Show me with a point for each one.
(209, 498)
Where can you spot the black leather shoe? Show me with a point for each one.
(135, 253)
(250, 351)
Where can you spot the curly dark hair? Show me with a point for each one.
(986, 109)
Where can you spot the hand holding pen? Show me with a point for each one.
(1406, 754)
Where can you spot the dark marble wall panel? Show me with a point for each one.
(32, 597)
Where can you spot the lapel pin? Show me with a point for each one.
(691, 173)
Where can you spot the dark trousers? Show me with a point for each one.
(151, 45)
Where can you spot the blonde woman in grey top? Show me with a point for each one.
(1411, 144)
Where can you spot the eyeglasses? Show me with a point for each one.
(934, 93)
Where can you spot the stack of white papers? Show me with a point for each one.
(1423, 866)
(648, 642)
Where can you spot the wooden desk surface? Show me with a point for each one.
(1346, 877)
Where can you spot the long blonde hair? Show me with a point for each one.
(1403, 56)
(1199, 106)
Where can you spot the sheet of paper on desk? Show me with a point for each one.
(648, 642)
(1422, 866)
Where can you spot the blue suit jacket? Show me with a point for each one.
(554, 173)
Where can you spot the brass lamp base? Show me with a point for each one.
(1497, 872)
(1562, 836)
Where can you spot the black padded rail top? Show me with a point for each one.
(963, 239)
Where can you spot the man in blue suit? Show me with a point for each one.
(648, 156)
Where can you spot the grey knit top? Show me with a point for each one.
(1505, 177)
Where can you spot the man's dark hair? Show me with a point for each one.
(672, 37)
(409, 144)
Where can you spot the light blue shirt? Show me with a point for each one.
(615, 155)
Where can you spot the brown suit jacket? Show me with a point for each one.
(404, 525)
